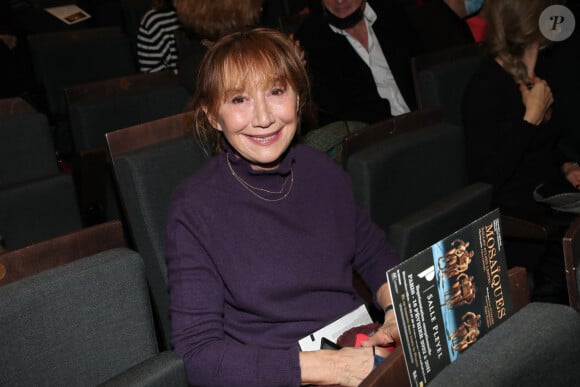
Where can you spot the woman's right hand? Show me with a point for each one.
(538, 100)
(347, 366)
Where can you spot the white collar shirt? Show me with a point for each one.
(375, 59)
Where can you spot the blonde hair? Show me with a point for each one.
(512, 25)
(260, 56)
(212, 19)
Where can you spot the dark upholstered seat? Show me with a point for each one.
(37, 210)
(379, 131)
(441, 77)
(69, 57)
(414, 186)
(149, 161)
(50, 253)
(26, 148)
(96, 108)
(537, 346)
(82, 324)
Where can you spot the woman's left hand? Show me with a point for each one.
(386, 335)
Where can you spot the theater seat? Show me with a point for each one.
(149, 161)
(82, 324)
(414, 185)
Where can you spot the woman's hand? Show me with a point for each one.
(353, 365)
(347, 366)
(386, 335)
(538, 100)
(572, 173)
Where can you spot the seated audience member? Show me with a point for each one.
(507, 114)
(156, 47)
(262, 241)
(358, 53)
(204, 22)
(442, 24)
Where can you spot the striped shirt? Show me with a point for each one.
(156, 46)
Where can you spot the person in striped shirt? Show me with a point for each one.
(156, 46)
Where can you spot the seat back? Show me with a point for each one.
(37, 210)
(96, 108)
(69, 57)
(402, 174)
(517, 359)
(44, 255)
(571, 244)
(150, 160)
(78, 324)
(377, 132)
(414, 186)
(26, 148)
(440, 78)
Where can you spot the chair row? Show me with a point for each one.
(37, 200)
(77, 312)
(151, 159)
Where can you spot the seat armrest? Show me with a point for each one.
(164, 370)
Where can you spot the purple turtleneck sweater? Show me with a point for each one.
(248, 277)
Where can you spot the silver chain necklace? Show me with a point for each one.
(250, 188)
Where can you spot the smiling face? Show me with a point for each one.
(259, 121)
(249, 89)
(342, 8)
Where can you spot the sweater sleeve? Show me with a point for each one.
(374, 255)
(495, 138)
(197, 319)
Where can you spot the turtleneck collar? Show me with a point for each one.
(241, 163)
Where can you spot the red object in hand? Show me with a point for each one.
(360, 337)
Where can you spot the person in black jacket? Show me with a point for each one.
(358, 53)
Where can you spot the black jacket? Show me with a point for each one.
(342, 83)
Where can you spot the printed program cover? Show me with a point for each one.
(70, 14)
(449, 295)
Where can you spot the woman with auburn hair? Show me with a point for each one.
(511, 141)
(262, 241)
(204, 22)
